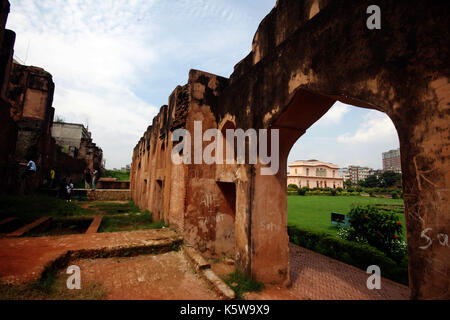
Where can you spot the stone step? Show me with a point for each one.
(28, 227)
(95, 224)
(203, 268)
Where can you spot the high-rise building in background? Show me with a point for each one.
(391, 161)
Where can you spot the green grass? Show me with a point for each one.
(134, 221)
(314, 212)
(241, 284)
(39, 206)
(120, 175)
(116, 208)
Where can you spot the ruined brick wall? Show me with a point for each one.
(8, 128)
(30, 93)
(185, 196)
(305, 55)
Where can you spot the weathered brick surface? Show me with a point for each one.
(147, 277)
(24, 259)
(288, 82)
(318, 277)
(95, 224)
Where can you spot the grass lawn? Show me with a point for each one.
(133, 221)
(39, 206)
(112, 208)
(120, 175)
(314, 212)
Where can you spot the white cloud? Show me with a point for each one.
(335, 114)
(377, 128)
(106, 56)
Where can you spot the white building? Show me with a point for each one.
(314, 174)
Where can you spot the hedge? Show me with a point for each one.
(355, 254)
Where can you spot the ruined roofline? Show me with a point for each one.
(285, 19)
(69, 123)
(34, 70)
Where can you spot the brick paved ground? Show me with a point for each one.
(318, 277)
(24, 259)
(166, 276)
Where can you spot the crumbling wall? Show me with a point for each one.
(8, 128)
(30, 94)
(305, 55)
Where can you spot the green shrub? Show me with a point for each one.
(293, 186)
(357, 254)
(301, 191)
(380, 229)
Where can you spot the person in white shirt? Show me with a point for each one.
(31, 166)
(94, 178)
(69, 188)
(28, 176)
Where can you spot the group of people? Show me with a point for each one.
(66, 187)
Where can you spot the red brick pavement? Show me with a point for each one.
(166, 276)
(24, 259)
(318, 277)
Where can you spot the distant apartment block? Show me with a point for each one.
(75, 140)
(356, 173)
(391, 161)
(314, 174)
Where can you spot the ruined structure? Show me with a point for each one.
(307, 54)
(8, 128)
(30, 93)
(76, 141)
(26, 119)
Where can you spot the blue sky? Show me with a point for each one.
(115, 63)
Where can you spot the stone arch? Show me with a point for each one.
(335, 57)
(299, 67)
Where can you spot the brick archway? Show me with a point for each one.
(306, 54)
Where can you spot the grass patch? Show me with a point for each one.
(314, 212)
(39, 206)
(134, 221)
(52, 287)
(120, 175)
(116, 208)
(241, 284)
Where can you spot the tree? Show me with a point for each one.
(389, 179)
(371, 182)
(347, 183)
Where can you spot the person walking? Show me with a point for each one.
(29, 175)
(87, 179)
(69, 188)
(94, 178)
